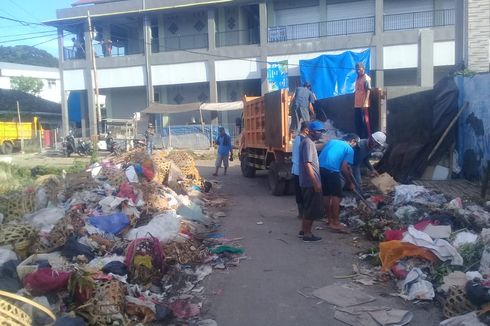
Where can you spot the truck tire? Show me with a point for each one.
(247, 170)
(8, 147)
(289, 188)
(277, 186)
(2, 149)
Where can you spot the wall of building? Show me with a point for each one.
(478, 35)
(123, 102)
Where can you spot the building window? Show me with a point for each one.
(51, 83)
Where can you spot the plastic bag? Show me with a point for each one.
(164, 227)
(73, 248)
(392, 251)
(46, 280)
(45, 218)
(416, 287)
(131, 174)
(6, 255)
(113, 223)
(115, 267)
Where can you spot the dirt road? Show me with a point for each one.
(264, 290)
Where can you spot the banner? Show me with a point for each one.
(277, 75)
(333, 74)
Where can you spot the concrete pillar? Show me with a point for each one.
(83, 113)
(147, 42)
(478, 35)
(89, 83)
(264, 86)
(211, 29)
(161, 33)
(213, 84)
(425, 68)
(263, 22)
(323, 10)
(460, 33)
(378, 31)
(271, 17)
(64, 101)
(242, 26)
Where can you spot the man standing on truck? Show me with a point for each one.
(295, 168)
(334, 159)
(361, 102)
(149, 134)
(362, 154)
(310, 182)
(224, 150)
(302, 104)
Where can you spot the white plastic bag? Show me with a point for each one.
(131, 174)
(45, 219)
(164, 227)
(6, 255)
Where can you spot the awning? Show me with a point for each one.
(170, 108)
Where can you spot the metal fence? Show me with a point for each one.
(239, 37)
(192, 136)
(321, 29)
(421, 19)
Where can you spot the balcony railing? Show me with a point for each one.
(421, 19)
(321, 29)
(118, 49)
(239, 37)
(181, 42)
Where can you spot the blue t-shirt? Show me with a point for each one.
(295, 155)
(224, 144)
(334, 153)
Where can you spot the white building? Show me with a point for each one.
(49, 76)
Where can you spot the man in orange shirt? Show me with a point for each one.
(361, 102)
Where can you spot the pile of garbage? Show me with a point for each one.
(434, 247)
(127, 241)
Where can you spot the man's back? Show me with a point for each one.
(334, 153)
(303, 97)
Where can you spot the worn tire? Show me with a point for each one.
(289, 189)
(8, 148)
(277, 186)
(2, 149)
(247, 170)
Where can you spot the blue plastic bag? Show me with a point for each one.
(113, 223)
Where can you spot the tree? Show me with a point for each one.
(27, 55)
(29, 85)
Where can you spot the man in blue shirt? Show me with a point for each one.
(310, 181)
(224, 150)
(335, 158)
(295, 168)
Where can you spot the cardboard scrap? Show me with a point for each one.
(385, 183)
(343, 295)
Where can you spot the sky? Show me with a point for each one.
(32, 11)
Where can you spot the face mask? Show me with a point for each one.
(315, 135)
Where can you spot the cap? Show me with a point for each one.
(316, 126)
(379, 137)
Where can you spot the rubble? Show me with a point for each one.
(127, 241)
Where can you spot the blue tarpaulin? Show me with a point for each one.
(474, 125)
(333, 74)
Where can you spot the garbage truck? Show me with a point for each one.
(12, 133)
(265, 141)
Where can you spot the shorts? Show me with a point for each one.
(331, 183)
(222, 158)
(313, 208)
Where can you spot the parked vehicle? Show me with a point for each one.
(12, 133)
(84, 147)
(69, 144)
(112, 146)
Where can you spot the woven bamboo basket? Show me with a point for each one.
(11, 315)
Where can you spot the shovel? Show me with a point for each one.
(357, 190)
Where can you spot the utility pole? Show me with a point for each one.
(19, 129)
(94, 67)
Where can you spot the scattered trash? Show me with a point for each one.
(372, 316)
(416, 287)
(385, 183)
(260, 223)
